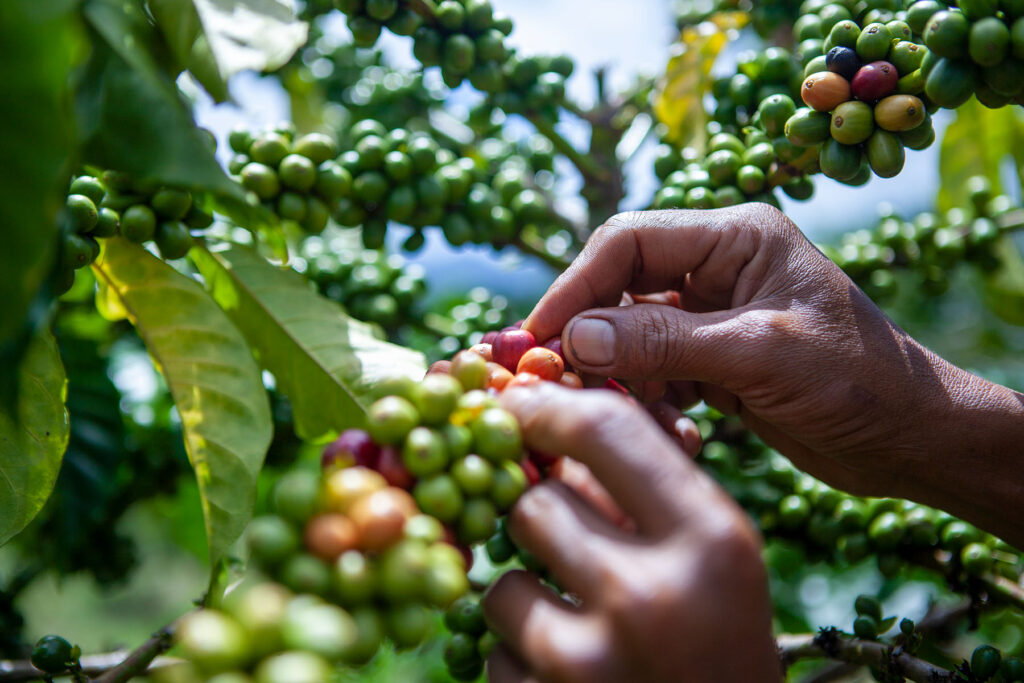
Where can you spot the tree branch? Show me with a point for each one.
(590, 169)
(843, 648)
(528, 247)
(22, 671)
(139, 660)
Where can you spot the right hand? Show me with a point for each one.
(754, 320)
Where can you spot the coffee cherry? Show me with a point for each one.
(874, 42)
(424, 528)
(509, 483)
(898, 113)
(497, 377)
(571, 380)
(824, 91)
(293, 667)
(306, 574)
(439, 496)
(852, 122)
(353, 578)
(380, 516)
(400, 571)
(470, 369)
(329, 535)
(391, 418)
(424, 452)
(437, 397)
(478, 521)
(867, 605)
(444, 582)
(51, 654)
(473, 474)
(542, 362)
(510, 345)
(408, 624)
(212, 641)
(352, 447)
(874, 81)
(170, 203)
(976, 558)
(985, 662)
(317, 627)
(865, 627)
(138, 224)
(343, 487)
(296, 496)
(496, 435)
(271, 540)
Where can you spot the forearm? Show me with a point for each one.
(971, 463)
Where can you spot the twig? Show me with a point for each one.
(139, 660)
(528, 247)
(843, 648)
(590, 169)
(22, 671)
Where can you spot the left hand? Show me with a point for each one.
(683, 598)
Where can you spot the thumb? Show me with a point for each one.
(652, 341)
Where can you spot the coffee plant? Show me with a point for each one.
(272, 284)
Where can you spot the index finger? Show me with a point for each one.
(645, 472)
(644, 252)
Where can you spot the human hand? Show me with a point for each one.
(737, 308)
(684, 597)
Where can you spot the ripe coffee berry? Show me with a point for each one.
(824, 91)
(542, 362)
(510, 345)
(843, 61)
(353, 446)
(874, 81)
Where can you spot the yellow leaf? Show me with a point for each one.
(680, 98)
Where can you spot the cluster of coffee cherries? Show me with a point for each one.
(759, 75)
(837, 527)
(367, 18)
(470, 643)
(985, 663)
(114, 203)
(861, 102)
(463, 321)
(929, 246)
(976, 47)
(734, 170)
(409, 178)
(466, 39)
(371, 285)
(295, 178)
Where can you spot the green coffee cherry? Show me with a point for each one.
(390, 419)
(496, 435)
(52, 654)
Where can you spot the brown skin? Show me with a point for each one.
(735, 307)
(674, 598)
(751, 318)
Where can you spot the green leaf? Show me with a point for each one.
(324, 361)
(32, 440)
(133, 117)
(261, 35)
(37, 38)
(1004, 289)
(209, 369)
(680, 97)
(179, 23)
(979, 142)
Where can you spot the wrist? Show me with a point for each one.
(969, 452)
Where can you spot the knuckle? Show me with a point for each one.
(657, 333)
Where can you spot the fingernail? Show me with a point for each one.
(592, 341)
